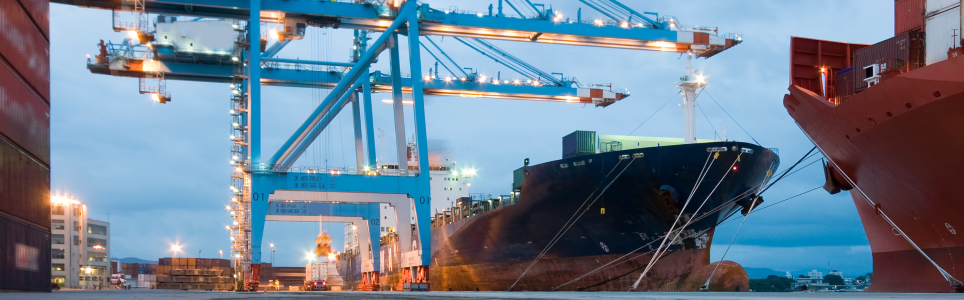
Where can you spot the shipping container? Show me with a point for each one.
(24, 118)
(24, 47)
(316, 271)
(908, 15)
(579, 143)
(24, 256)
(935, 6)
(899, 54)
(943, 27)
(810, 57)
(39, 11)
(844, 85)
(24, 185)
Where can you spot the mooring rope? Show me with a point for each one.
(654, 259)
(575, 217)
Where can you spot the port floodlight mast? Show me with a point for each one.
(688, 85)
(262, 186)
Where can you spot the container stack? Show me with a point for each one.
(25, 240)
(194, 274)
(942, 22)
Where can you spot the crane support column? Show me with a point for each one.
(369, 131)
(398, 106)
(356, 122)
(254, 141)
(422, 198)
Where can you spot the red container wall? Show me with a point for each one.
(897, 51)
(24, 117)
(807, 56)
(908, 15)
(24, 186)
(844, 85)
(39, 11)
(32, 273)
(24, 47)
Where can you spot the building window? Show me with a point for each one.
(57, 210)
(57, 239)
(56, 267)
(76, 240)
(77, 211)
(57, 224)
(57, 253)
(97, 229)
(94, 242)
(76, 226)
(97, 256)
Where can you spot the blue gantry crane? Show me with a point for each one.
(262, 183)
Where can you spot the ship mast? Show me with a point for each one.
(688, 85)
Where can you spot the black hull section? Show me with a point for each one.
(647, 189)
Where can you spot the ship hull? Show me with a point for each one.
(900, 143)
(491, 251)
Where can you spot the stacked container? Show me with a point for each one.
(192, 273)
(942, 22)
(908, 15)
(901, 53)
(24, 145)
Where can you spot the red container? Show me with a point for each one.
(24, 117)
(25, 258)
(24, 186)
(24, 47)
(39, 11)
(908, 15)
(844, 85)
(903, 52)
(809, 56)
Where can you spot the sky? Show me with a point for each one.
(160, 173)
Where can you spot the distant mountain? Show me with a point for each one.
(757, 273)
(128, 260)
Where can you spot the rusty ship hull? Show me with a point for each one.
(491, 250)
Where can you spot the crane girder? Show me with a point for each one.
(438, 22)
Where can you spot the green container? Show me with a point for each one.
(579, 143)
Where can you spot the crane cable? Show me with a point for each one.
(572, 220)
(652, 261)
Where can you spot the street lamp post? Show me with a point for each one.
(272, 254)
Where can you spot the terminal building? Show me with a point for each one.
(79, 246)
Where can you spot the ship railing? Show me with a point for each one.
(480, 204)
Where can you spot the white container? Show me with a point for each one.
(316, 271)
(207, 36)
(943, 28)
(146, 280)
(937, 5)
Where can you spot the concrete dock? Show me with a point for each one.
(185, 295)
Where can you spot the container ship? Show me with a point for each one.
(888, 119)
(25, 242)
(486, 243)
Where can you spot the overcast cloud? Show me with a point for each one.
(161, 170)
